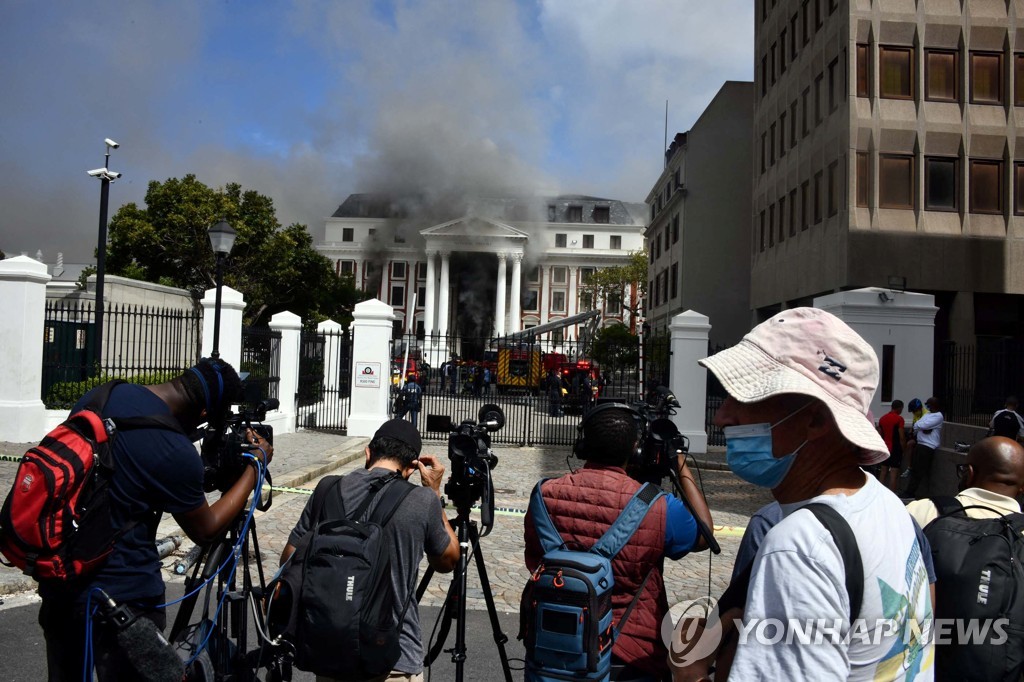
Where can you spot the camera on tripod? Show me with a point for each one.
(469, 449)
(225, 443)
(662, 441)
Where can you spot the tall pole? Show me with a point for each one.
(215, 353)
(101, 260)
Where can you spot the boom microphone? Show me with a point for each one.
(142, 644)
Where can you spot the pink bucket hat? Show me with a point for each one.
(814, 353)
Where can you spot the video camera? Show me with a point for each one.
(469, 449)
(662, 441)
(225, 443)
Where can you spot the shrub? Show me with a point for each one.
(64, 394)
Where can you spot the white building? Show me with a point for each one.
(488, 268)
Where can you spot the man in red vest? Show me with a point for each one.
(585, 503)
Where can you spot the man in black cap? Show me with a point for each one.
(418, 526)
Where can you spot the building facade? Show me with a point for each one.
(495, 267)
(698, 239)
(889, 151)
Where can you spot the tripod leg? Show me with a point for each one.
(499, 637)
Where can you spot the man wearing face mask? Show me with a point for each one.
(800, 386)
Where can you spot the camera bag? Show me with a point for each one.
(978, 580)
(566, 608)
(334, 602)
(55, 524)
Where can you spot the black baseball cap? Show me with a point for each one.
(402, 431)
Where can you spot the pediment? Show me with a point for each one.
(474, 228)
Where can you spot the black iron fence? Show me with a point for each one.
(325, 375)
(972, 382)
(261, 358)
(715, 435)
(143, 344)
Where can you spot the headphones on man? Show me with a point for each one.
(579, 448)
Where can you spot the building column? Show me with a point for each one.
(499, 303)
(442, 305)
(516, 323)
(571, 303)
(22, 325)
(428, 305)
(545, 292)
(410, 299)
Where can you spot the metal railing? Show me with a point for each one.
(972, 382)
(261, 358)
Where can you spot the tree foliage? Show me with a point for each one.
(275, 268)
(616, 348)
(610, 283)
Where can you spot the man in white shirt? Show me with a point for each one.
(928, 434)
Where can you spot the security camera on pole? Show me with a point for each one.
(222, 239)
(106, 177)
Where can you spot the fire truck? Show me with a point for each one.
(522, 365)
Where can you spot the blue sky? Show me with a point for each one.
(309, 101)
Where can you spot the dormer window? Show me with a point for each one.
(575, 214)
(602, 214)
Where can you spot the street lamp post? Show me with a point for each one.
(106, 177)
(222, 239)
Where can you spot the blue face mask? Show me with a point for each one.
(748, 451)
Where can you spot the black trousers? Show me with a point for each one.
(63, 624)
(920, 468)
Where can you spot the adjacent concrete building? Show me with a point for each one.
(889, 151)
(698, 239)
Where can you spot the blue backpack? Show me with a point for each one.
(566, 609)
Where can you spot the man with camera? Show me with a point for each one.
(155, 471)
(418, 526)
(584, 504)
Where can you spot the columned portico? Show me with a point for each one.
(517, 277)
(499, 303)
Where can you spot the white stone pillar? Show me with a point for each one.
(410, 301)
(332, 356)
(688, 379)
(571, 304)
(515, 309)
(371, 368)
(502, 293)
(22, 319)
(428, 305)
(545, 292)
(232, 305)
(442, 306)
(290, 326)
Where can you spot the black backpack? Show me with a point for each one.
(979, 575)
(1006, 424)
(334, 603)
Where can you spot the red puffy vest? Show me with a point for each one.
(582, 506)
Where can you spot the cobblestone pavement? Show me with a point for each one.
(301, 458)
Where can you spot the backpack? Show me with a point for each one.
(978, 573)
(1006, 424)
(566, 608)
(411, 397)
(55, 524)
(334, 601)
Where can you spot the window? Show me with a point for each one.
(819, 105)
(986, 186)
(833, 85)
(675, 228)
(347, 234)
(1018, 182)
(586, 302)
(792, 36)
(560, 241)
(895, 181)
(421, 297)
(674, 286)
(666, 238)
(421, 271)
(650, 292)
(805, 110)
(940, 186)
(615, 242)
(764, 75)
(1018, 80)
(940, 69)
(771, 145)
(588, 241)
(613, 304)
(576, 214)
(888, 370)
(782, 134)
(771, 65)
(782, 219)
(817, 197)
(601, 214)
(805, 205)
(863, 179)
(817, 14)
(398, 270)
(372, 232)
(897, 72)
(558, 301)
(558, 275)
(654, 212)
(530, 300)
(533, 275)
(792, 125)
(347, 267)
(782, 52)
(771, 226)
(586, 275)
(863, 70)
(397, 296)
(806, 20)
(762, 231)
(651, 254)
(833, 188)
(986, 78)
(764, 152)
(398, 238)
(792, 213)
(551, 213)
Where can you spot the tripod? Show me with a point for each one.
(455, 603)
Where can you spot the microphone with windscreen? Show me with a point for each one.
(142, 643)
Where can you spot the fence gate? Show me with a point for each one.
(325, 372)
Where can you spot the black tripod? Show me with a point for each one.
(455, 603)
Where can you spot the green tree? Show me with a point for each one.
(609, 284)
(616, 348)
(275, 268)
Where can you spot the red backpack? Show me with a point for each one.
(55, 523)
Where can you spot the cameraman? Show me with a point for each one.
(155, 471)
(584, 504)
(419, 526)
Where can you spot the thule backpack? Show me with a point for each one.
(566, 613)
(55, 523)
(979, 581)
(1006, 424)
(334, 601)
